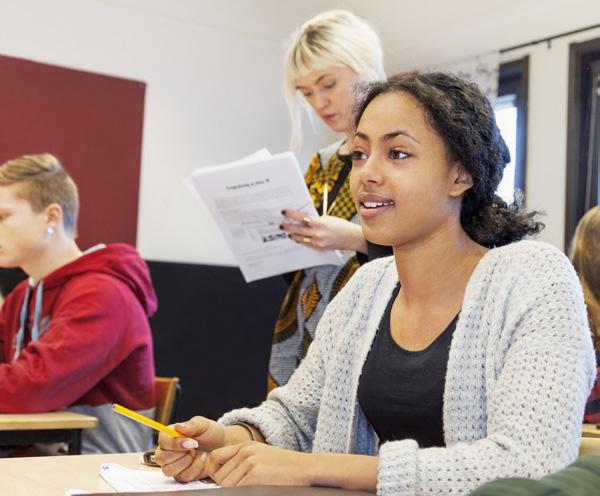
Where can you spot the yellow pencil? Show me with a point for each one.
(145, 420)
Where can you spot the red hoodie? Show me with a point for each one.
(94, 344)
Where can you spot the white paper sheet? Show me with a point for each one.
(246, 198)
(123, 479)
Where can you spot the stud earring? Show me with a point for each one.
(50, 231)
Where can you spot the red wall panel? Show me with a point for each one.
(93, 124)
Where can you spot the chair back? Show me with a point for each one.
(589, 446)
(590, 430)
(167, 391)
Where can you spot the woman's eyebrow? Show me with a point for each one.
(362, 136)
(388, 136)
(400, 132)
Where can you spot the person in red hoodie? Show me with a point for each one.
(75, 335)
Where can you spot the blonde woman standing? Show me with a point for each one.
(327, 58)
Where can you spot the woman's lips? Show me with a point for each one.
(329, 117)
(371, 205)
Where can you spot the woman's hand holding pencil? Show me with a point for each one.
(231, 455)
(182, 447)
(186, 458)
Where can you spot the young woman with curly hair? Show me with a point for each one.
(463, 358)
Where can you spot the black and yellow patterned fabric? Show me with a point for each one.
(308, 293)
(317, 176)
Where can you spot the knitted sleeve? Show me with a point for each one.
(287, 419)
(535, 398)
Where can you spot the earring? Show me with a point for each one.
(50, 231)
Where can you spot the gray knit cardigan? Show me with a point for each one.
(520, 368)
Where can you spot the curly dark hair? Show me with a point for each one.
(463, 117)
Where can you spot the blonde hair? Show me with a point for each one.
(43, 181)
(330, 39)
(585, 254)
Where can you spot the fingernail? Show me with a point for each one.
(190, 444)
(203, 456)
(306, 220)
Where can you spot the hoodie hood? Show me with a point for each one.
(117, 260)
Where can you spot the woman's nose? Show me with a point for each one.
(321, 101)
(370, 171)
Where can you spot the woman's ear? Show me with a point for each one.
(462, 180)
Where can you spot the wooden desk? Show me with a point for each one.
(53, 475)
(53, 427)
(590, 430)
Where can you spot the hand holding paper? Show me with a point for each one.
(246, 198)
(325, 233)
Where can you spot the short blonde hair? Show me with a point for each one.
(585, 254)
(43, 181)
(330, 39)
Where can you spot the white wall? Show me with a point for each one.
(213, 74)
(212, 96)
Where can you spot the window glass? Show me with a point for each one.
(506, 117)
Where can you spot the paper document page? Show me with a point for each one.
(246, 199)
(123, 479)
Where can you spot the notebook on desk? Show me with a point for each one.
(137, 481)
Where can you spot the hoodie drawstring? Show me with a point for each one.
(35, 331)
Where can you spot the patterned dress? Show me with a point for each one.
(310, 290)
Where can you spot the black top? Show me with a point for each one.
(401, 392)
(376, 251)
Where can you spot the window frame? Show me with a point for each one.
(513, 79)
(581, 57)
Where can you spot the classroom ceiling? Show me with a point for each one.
(408, 29)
